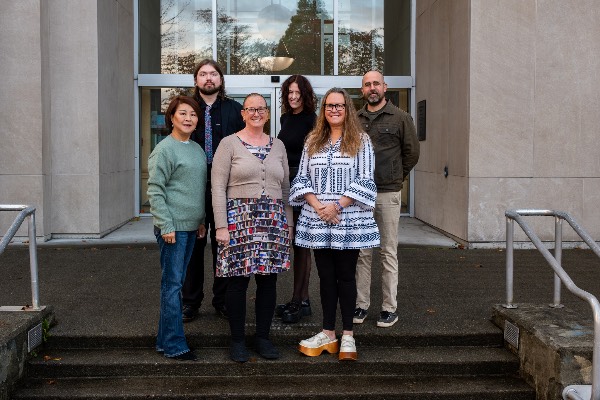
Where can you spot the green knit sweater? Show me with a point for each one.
(177, 184)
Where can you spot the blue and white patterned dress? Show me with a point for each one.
(329, 174)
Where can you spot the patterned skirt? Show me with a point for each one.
(259, 240)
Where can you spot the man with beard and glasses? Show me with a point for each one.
(220, 116)
(396, 148)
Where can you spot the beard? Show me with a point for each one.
(374, 99)
(209, 91)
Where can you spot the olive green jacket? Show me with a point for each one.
(395, 143)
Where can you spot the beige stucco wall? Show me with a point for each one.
(442, 79)
(534, 120)
(67, 111)
(23, 173)
(116, 113)
(513, 94)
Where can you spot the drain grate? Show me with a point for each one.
(34, 337)
(511, 334)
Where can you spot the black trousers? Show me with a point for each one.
(266, 296)
(193, 287)
(337, 278)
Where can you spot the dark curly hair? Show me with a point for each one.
(309, 99)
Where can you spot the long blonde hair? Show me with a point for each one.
(318, 138)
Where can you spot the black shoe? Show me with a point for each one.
(266, 349)
(190, 313)
(306, 310)
(187, 356)
(238, 352)
(222, 312)
(280, 309)
(292, 314)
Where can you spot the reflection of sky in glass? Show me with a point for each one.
(361, 15)
(184, 32)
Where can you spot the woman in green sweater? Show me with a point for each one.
(176, 189)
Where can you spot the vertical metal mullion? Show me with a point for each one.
(413, 96)
(335, 36)
(136, 108)
(214, 30)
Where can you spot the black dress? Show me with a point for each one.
(294, 129)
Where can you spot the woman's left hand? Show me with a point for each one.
(330, 214)
(169, 238)
(201, 232)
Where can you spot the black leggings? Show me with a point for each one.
(235, 302)
(337, 270)
(302, 264)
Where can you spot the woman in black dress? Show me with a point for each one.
(298, 119)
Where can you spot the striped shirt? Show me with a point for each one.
(329, 174)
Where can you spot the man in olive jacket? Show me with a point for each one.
(396, 146)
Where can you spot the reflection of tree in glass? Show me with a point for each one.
(302, 40)
(359, 51)
(173, 30)
(237, 50)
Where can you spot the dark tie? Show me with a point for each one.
(208, 135)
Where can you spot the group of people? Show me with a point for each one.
(329, 182)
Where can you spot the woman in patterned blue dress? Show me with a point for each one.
(336, 190)
(250, 188)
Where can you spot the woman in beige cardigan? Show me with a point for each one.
(250, 188)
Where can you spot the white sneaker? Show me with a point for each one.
(348, 348)
(315, 345)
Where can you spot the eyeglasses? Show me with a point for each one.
(213, 74)
(252, 110)
(337, 107)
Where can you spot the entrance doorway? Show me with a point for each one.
(154, 99)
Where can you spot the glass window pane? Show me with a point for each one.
(174, 35)
(363, 37)
(287, 37)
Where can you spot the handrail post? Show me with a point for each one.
(510, 229)
(33, 263)
(596, 352)
(558, 257)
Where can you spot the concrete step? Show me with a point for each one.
(491, 336)
(373, 361)
(328, 386)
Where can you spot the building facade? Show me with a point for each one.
(507, 92)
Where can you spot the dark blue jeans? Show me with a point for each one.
(174, 258)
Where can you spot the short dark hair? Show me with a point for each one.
(217, 67)
(306, 92)
(175, 102)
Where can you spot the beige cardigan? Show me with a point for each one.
(237, 173)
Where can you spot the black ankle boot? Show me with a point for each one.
(238, 352)
(266, 349)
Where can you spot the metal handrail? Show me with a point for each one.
(25, 212)
(572, 392)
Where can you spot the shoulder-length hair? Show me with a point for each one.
(217, 67)
(306, 93)
(175, 102)
(318, 138)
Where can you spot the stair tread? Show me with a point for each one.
(288, 354)
(216, 362)
(492, 387)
